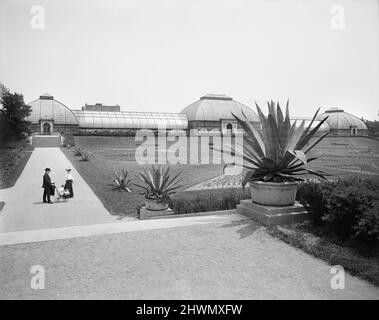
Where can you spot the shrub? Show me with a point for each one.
(349, 207)
(367, 227)
(311, 196)
(208, 200)
(108, 133)
(69, 140)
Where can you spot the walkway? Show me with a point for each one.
(225, 259)
(24, 209)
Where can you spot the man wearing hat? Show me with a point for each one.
(46, 185)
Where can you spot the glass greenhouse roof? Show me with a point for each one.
(46, 108)
(213, 107)
(130, 120)
(340, 120)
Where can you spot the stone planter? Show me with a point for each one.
(273, 193)
(153, 205)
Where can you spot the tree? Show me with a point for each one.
(373, 128)
(13, 114)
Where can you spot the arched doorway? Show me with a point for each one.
(46, 128)
(354, 131)
(229, 128)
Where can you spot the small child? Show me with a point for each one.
(63, 193)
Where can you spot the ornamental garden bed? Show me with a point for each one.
(204, 202)
(196, 214)
(13, 158)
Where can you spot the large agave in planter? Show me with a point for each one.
(158, 187)
(276, 158)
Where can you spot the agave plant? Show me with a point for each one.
(78, 151)
(86, 156)
(279, 152)
(157, 183)
(121, 181)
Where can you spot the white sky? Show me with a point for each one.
(161, 55)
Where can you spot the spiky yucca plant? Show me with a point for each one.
(121, 181)
(157, 183)
(86, 156)
(78, 151)
(279, 152)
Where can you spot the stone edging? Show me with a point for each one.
(195, 214)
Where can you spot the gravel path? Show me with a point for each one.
(228, 260)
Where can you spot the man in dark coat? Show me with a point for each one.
(47, 186)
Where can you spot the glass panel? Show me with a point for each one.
(133, 120)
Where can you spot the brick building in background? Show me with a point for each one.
(100, 107)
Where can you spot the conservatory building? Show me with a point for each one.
(50, 116)
(97, 121)
(343, 124)
(213, 113)
(210, 114)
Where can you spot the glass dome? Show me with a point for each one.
(340, 120)
(213, 107)
(47, 108)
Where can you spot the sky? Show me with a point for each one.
(162, 55)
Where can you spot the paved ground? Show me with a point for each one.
(221, 260)
(24, 209)
(86, 253)
(28, 236)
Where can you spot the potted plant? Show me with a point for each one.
(275, 158)
(158, 187)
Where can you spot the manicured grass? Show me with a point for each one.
(116, 153)
(359, 260)
(347, 156)
(107, 157)
(13, 158)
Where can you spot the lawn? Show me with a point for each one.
(339, 157)
(116, 153)
(346, 156)
(13, 158)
